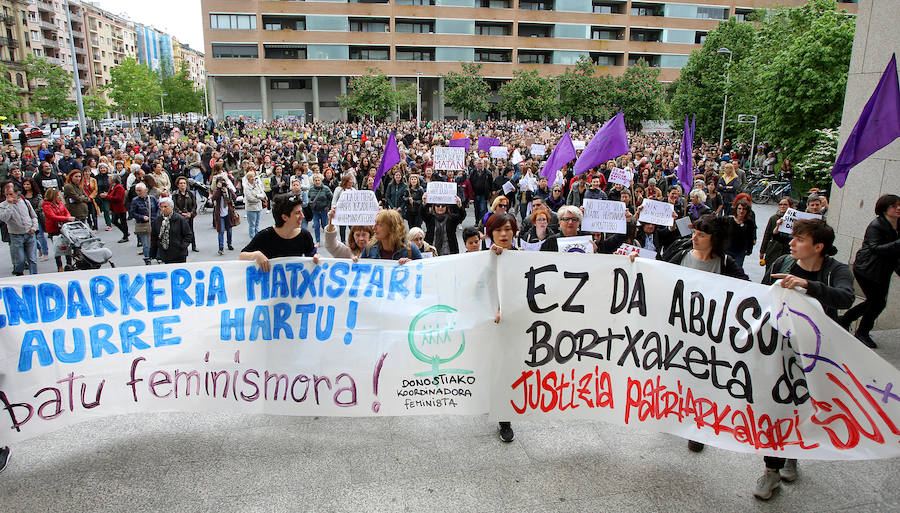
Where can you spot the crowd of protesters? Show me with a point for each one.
(161, 178)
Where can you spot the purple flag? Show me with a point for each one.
(563, 153)
(609, 142)
(462, 142)
(389, 159)
(485, 143)
(686, 166)
(878, 125)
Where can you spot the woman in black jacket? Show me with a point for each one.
(415, 204)
(440, 227)
(878, 257)
(741, 231)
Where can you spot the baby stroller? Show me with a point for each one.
(78, 243)
(201, 194)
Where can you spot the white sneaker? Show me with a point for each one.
(766, 485)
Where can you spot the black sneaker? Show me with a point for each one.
(866, 340)
(4, 457)
(123, 239)
(695, 446)
(230, 247)
(506, 432)
(140, 243)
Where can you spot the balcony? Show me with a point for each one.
(48, 25)
(12, 43)
(53, 60)
(50, 43)
(9, 19)
(77, 32)
(80, 50)
(44, 5)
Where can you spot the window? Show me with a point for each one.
(536, 5)
(232, 21)
(646, 35)
(368, 25)
(492, 55)
(533, 57)
(224, 51)
(284, 52)
(414, 2)
(287, 83)
(375, 53)
(606, 33)
(494, 4)
(712, 13)
(607, 8)
(284, 23)
(535, 30)
(414, 27)
(489, 29)
(415, 54)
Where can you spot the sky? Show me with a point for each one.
(180, 18)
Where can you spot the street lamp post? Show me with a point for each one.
(750, 118)
(78, 100)
(725, 103)
(418, 100)
(161, 106)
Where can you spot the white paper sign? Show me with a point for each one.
(528, 183)
(579, 145)
(627, 249)
(603, 216)
(620, 176)
(449, 159)
(516, 157)
(356, 208)
(580, 244)
(538, 149)
(427, 254)
(657, 212)
(790, 216)
(499, 152)
(441, 193)
(531, 246)
(684, 225)
(508, 187)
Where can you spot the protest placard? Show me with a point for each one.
(499, 152)
(516, 157)
(620, 176)
(531, 246)
(356, 208)
(508, 187)
(538, 149)
(790, 216)
(603, 216)
(579, 145)
(627, 249)
(684, 226)
(449, 159)
(580, 244)
(441, 193)
(657, 212)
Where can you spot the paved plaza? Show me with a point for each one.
(185, 462)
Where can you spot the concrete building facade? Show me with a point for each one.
(271, 59)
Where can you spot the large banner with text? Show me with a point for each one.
(647, 344)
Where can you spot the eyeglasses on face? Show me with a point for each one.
(568, 219)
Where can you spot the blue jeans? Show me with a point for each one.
(320, 221)
(224, 228)
(480, 207)
(253, 222)
(23, 248)
(144, 239)
(42, 241)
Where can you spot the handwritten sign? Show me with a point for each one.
(627, 249)
(441, 193)
(449, 159)
(580, 244)
(538, 149)
(621, 176)
(508, 187)
(603, 216)
(531, 246)
(657, 212)
(499, 152)
(356, 208)
(790, 216)
(684, 226)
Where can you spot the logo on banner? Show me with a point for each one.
(434, 340)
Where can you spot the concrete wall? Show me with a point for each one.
(852, 208)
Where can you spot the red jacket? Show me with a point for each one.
(54, 214)
(116, 198)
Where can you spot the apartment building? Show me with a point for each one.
(154, 47)
(49, 35)
(112, 39)
(273, 59)
(14, 44)
(196, 62)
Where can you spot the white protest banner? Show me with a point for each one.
(790, 216)
(516, 157)
(579, 145)
(531, 246)
(656, 212)
(441, 193)
(627, 249)
(538, 149)
(730, 363)
(603, 216)
(449, 158)
(508, 187)
(356, 208)
(684, 226)
(580, 244)
(499, 152)
(622, 177)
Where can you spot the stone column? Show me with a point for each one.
(395, 116)
(440, 99)
(315, 101)
(343, 92)
(264, 96)
(211, 96)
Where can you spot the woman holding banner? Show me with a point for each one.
(356, 244)
(286, 238)
(390, 239)
(441, 222)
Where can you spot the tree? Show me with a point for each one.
(181, 97)
(467, 92)
(134, 88)
(815, 168)
(10, 96)
(50, 96)
(95, 106)
(700, 89)
(371, 95)
(529, 96)
(640, 94)
(586, 95)
(406, 97)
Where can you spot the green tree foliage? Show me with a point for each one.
(10, 103)
(95, 106)
(406, 98)
(815, 168)
(50, 96)
(700, 89)
(586, 95)
(181, 97)
(467, 92)
(134, 88)
(529, 96)
(371, 95)
(640, 94)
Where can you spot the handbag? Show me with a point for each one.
(235, 219)
(141, 228)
